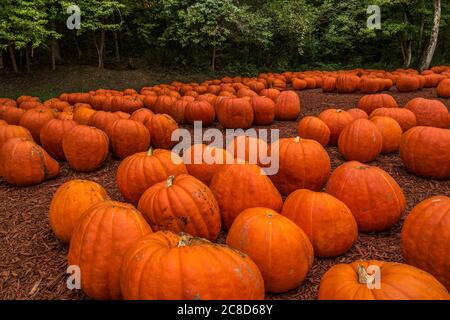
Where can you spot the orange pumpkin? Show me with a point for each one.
(371, 102)
(69, 202)
(270, 93)
(336, 120)
(82, 114)
(432, 113)
(443, 89)
(101, 119)
(303, 164)
(52, 134)
(408, 83)
(426, 237)
(201, 111)
(127, 137)
(234, 113)
(181, 204)
(249, 149)
(140, 171)
(357, 113)
(273, 242)
(361, 141)
(390, 131)
(287, 106)
(425, 152)
(161, 128)
(85, 148)
(164, 104)
(24, 163)
(373, 196)
(264, 110)
(315, 129)
(197, 261)
(328, 84)
(356, 281)
(347, 83)
(34, 120)
(10, 131)
(99, 241)
(405, 118)
(13, 115)
(241, 186)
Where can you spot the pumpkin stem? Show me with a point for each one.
(363, 276)
(297, 139)
(339, 110)
(185, 240)
(169, 181)
(150, 151)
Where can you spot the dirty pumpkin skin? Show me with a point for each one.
(166, 266)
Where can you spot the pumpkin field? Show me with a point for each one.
(358, 208)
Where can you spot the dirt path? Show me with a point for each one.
(33, 261)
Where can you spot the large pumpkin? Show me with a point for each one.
(161, 128)
(241, 186)
(431, 113)
(425, 152)
(24, 163)
(13, 115)
(287, 106)
(280, 249)
(264, 110)
(390, 131)
(181, 204)
(315, 129)
(201, 111)
(347, 83)
(163, 104)
(373, 196)
(405, 118)
(102, 119)
(370, 102)
(127, 137)
(12, 131)
(361, 141)
(397, 281)
(204, 161)
(443, 89)
(99, 241)
(140, 171)
(336, 120)
(153, 267)
(303, 164)
(234, 113)
(34, 120)
(52, 134)
(141, 115)
(426, 237)
(327, 221)
(85, 148)
(408, 83)
(69, 202)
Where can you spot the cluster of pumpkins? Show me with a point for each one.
(161, 245)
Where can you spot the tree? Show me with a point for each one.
(429, 50)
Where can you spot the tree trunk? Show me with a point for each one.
(408, 54)
(213, 60)
(55, 53)
(100, 49)
(27, 59)
(116, 46)
(428, 52)
(13, 59)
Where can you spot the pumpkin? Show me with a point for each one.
(141, 115)
(287, 106)
(280, 249)
(327, 221)
(370, 85)
(234, 113)
(181, 204)
(52, 134)
(166, 258)
(82, 114)
(264, 110)
(443, 89)
(432, 113)
(24, 163)
(30, 104)
(370, 102)
(65, 115)
(85, 148)
(102, 119)
(11, 131)
(34, 120)
(122, 115)
(249, 149)
(373, 196)
(347, 83)
(405, 118)
(69, 202)
(270, 93)
(310, 83)
(432, 80)
(13, 115)
(202, 111)
(408, 83)
(425, 152)
(303, 164)
(315, 129)
(361, 141)
(164, 104)
(127, 137)
(299, 84)
(140, 171)
(357, 113)
(178, 110)
(161, 128)
(99, 241)
(390, 131)
(204, 161)
(328, 84)
(241, 186)
(3, 123)
(150, 102)
(398, 281)
(336, 120)
(426, 237)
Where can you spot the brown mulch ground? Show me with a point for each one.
(33, 261)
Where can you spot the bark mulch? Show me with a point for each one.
(33, 261)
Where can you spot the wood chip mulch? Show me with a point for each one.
(33, 262)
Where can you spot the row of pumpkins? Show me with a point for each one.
(270, 245)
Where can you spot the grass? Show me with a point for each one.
(46, 84)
